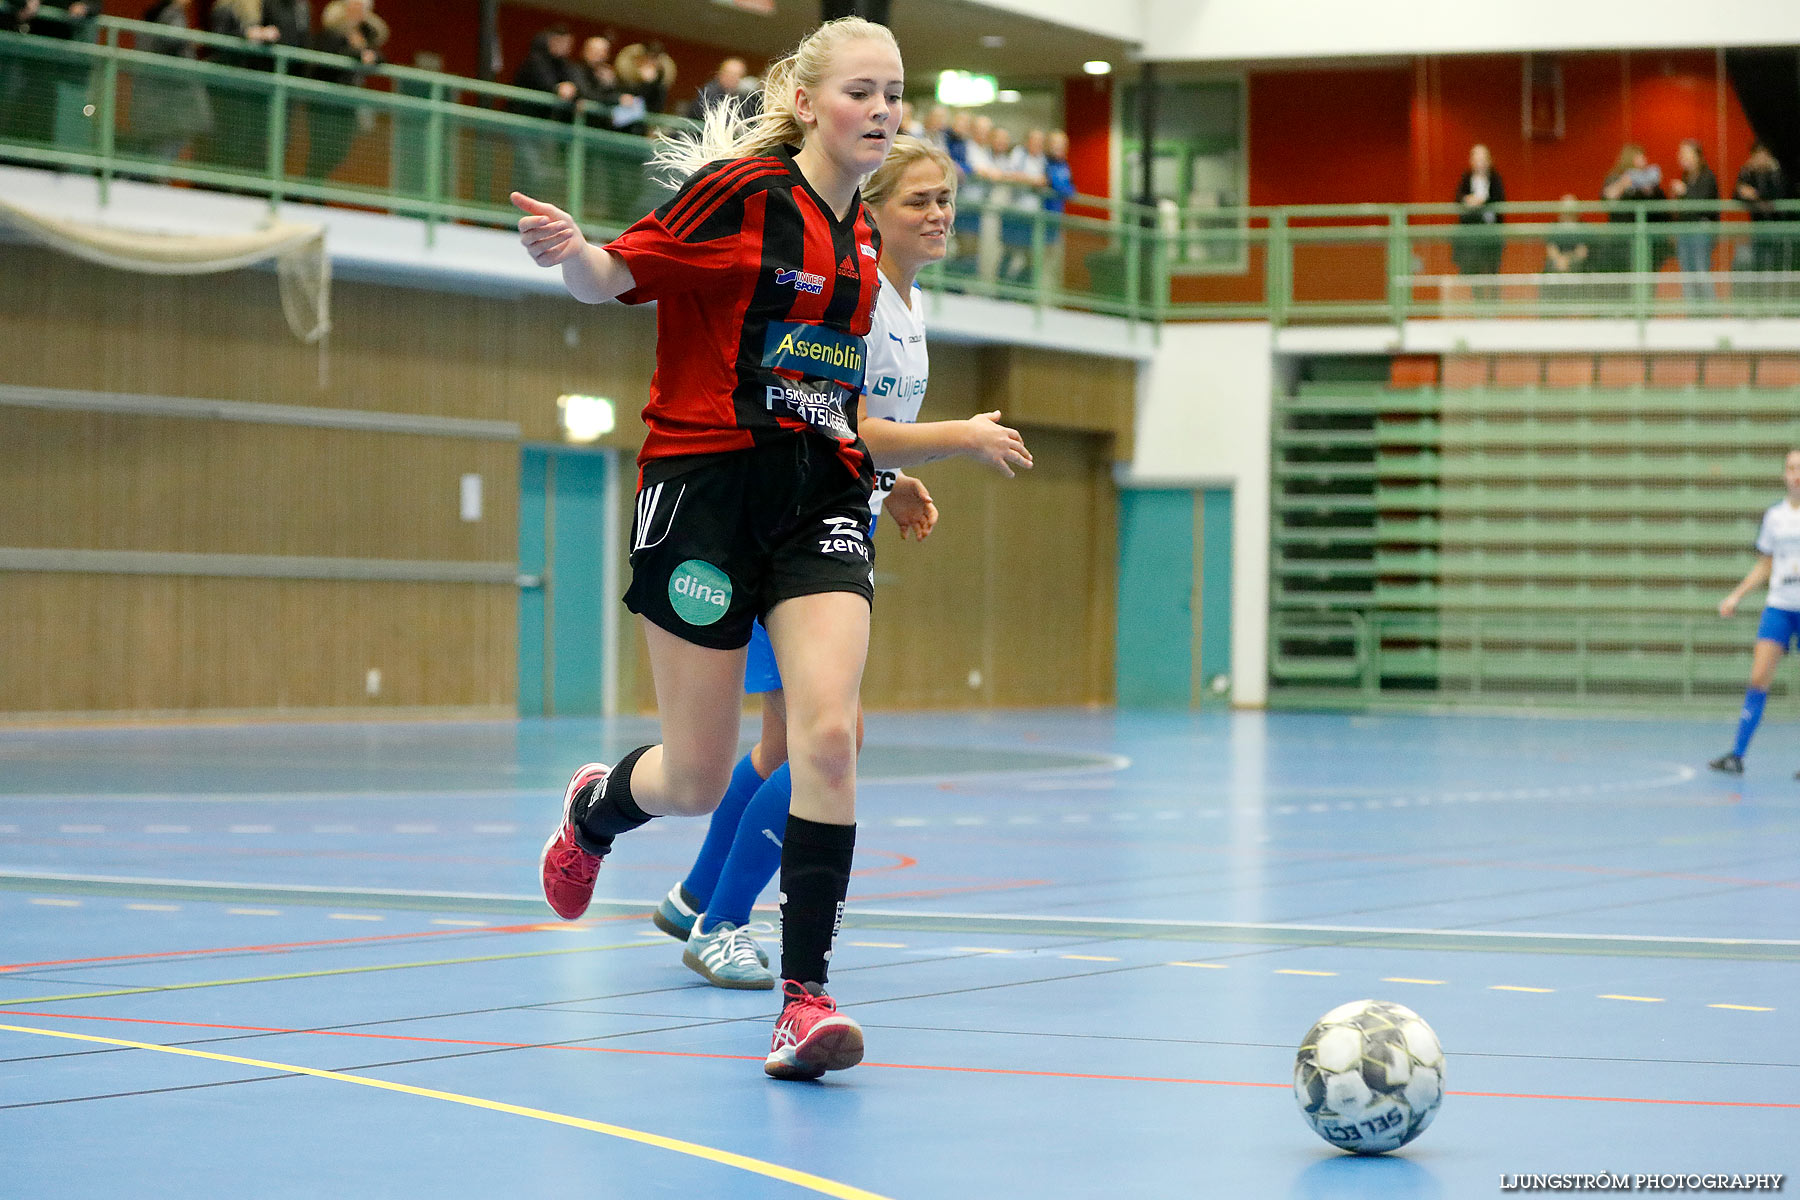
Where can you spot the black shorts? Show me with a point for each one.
(718, 540)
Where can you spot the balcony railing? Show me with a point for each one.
(444, 148)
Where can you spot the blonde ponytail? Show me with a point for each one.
(728, 132)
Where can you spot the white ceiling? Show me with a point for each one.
(934, 35)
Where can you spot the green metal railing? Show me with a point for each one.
(444, 148)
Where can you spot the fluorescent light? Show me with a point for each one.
(992, 41)
(586, 418)
(1097, 67)
(1008, 96)
(960, 89)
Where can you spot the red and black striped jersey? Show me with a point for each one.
(764, 299)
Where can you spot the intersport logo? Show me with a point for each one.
(804, 281)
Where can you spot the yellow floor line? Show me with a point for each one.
(814, 1183)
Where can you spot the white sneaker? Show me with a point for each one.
(729, 957)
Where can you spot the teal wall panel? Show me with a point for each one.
(1156, 598)
(562, 540)
(577, 584)
(533, 508)
(1215, 588)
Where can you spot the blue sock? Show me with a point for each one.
(704, 875)
(755, 854)
(1753, 710)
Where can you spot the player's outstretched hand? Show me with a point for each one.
(549, 233)
(910, 506)
(1727, 606)
(995, 446)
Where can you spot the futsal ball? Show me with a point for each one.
(1369, 1076)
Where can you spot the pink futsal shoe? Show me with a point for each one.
(811, 1035)
(568, 870)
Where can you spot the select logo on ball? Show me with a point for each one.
(699, 592)
(1369, 1076)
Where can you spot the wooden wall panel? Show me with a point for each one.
(119, 643)
(1061, 390)
(118, 482)
(1011, 600)
(1014, 563)
(67, 324)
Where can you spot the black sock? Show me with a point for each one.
(815, 874)
(608, 810)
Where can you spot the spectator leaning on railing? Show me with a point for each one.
(597, 85)
(956, 144)
(349, 28)
(1566, 250)
(61, 19)
(1060, 180)
(1025, 167)
(937, 128)
(1694, 251)
(1477, 192)
(537, 159)
(32, 88)
(715, 91)
(1633, 178)
(646, 71)
(595, 80)
(240, 134)
(168, 110)
(611, 175)
(292, 20)
(1759, 185)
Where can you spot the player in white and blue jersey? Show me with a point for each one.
(913, 199)
(1778, 565)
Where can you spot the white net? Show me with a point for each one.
(301, 264)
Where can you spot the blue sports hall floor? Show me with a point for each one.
(310, 960)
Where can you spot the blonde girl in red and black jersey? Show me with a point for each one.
(753, 483)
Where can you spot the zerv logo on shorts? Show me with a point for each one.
(699, 592)
(815, 352)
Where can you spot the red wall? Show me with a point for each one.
(1403, 133)
(1329, 137)
(1087, 119)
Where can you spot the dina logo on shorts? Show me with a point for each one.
(699, 592)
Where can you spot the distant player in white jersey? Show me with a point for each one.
(1778, 565)
(913, 198)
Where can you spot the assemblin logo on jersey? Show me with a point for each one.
(804, 281)
(815, 352)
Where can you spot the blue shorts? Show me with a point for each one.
(760, 672)
(1780, 625)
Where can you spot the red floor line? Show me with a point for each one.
(272, 947)
(905, 861)
(1011, 1071)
